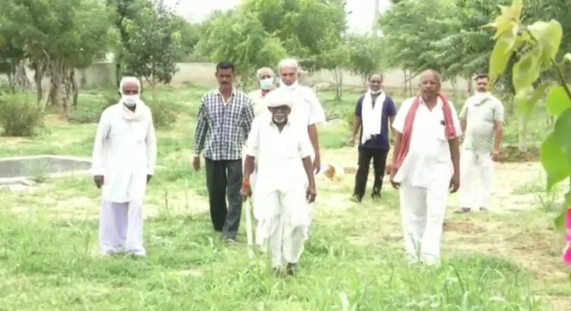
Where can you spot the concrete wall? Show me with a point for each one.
(99, 75)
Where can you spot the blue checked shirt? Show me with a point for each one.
(223, 128)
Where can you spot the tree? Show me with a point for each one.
(365, 56)
(57, 37)
(539, 51)
(241, 38)
(123, 10)
(305, 27)
(409, 28)
(190, 34)
(153, 43)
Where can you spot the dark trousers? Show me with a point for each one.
(224, 178)
(379, 163)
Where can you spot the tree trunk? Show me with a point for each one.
(73, 87)
(522, 137)
(38, 77)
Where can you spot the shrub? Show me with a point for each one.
(164, 113)
(20, 116)
(89, 111)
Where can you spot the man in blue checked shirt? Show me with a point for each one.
(224, 121)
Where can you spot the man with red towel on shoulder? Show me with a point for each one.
(425, 166)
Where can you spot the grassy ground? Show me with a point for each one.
(508, 259)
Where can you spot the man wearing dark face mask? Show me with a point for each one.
(224, 118)
(374, 114)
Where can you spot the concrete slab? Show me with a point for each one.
(19, 169)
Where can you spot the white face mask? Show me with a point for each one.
(267, 83)
(291, 87)
(130, 100)
(375, 92)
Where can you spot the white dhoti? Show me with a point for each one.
(475, 167)
(423, 210)
(284, 218)
(258, 216)
(121, 228)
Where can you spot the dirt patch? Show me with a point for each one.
(510, 154)
(462, 227)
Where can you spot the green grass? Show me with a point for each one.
(504, 260)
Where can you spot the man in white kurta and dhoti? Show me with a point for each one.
(124, 156)
(307, 109)
(281, 150)
(267, 81)
(425, 167)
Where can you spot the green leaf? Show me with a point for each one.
(557, 101)
(548, 36)
(527, 70)
(561, 221)
(567, 58)
(554, 161)
(526, 106)
(501, 54)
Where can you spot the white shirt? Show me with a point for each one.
(428, 157)
(278, 154)
(307, 110)
(258, 101)
(124, 152)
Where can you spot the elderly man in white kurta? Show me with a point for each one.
(482, 120)
(425, 167)
(306, 109)
(124, 156)
(267, 81)
(286, 182)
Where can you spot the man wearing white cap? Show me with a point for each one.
(124, 156)
(285, 180)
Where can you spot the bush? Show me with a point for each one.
(164, 113)
(20, 116)
(89, 111)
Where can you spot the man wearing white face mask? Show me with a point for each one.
(266, 78)
(124, 156)
(482, 120)
(306, 109)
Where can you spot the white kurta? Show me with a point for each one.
(281, 206)
(258, 101)
(425, 179)
(307, 110)
(124, 152)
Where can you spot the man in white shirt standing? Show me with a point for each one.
(124, 156)
(285, 180)
(267, 81)
(482, 119)
(425, 167)
(306, 109)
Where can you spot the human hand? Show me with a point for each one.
(99, 181)
(311, 194)
(495, 154)
(196, 163)
(246, 192)
(317, 164)
(395, 184)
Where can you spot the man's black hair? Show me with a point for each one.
(482, 76)
(225, 65)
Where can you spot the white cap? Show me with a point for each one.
(279, 97)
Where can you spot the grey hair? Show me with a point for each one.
(288, 63)
(129, 79)
(262, 70)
